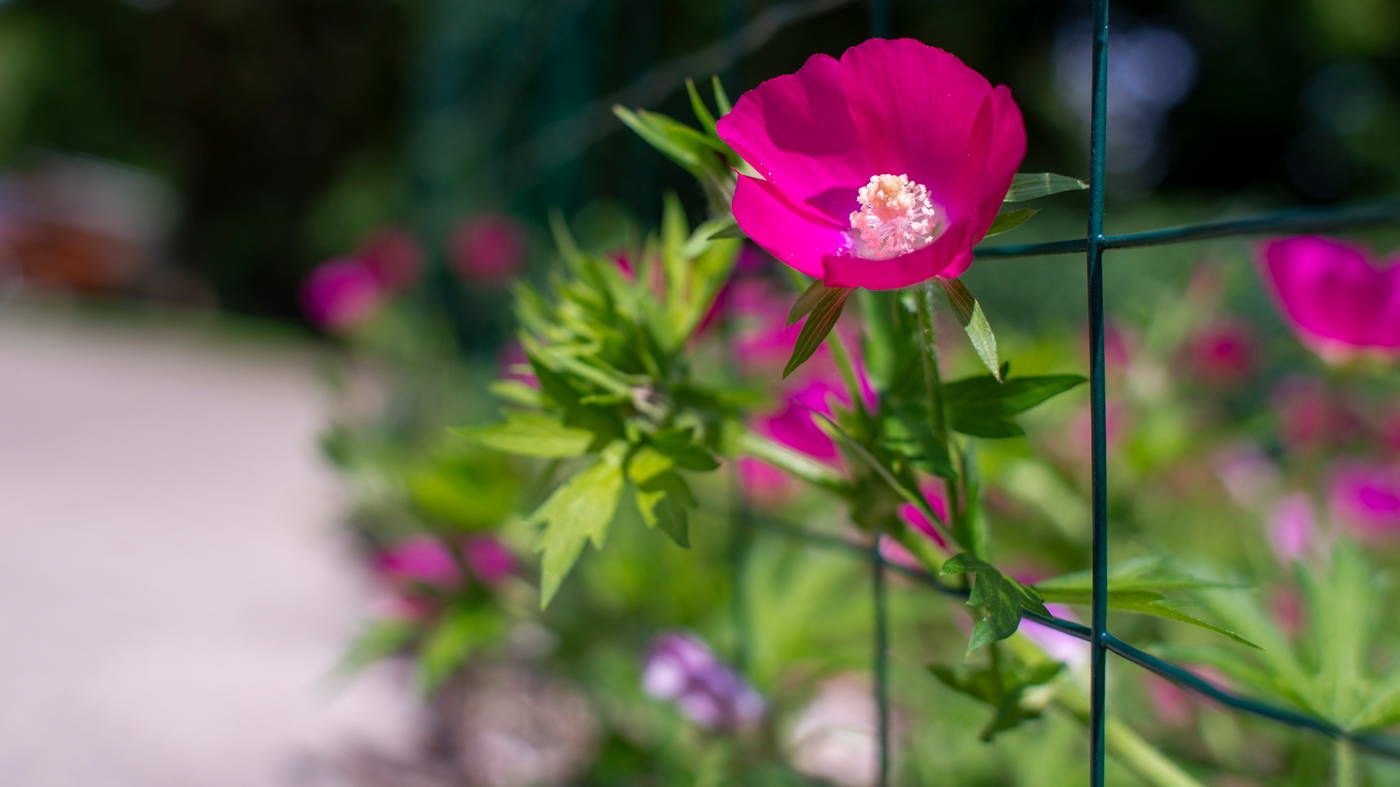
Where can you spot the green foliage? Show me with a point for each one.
(983, 407)
(1009, 220)
(378, 640)
(1001, 598)
(460, 632)
(1002, 686)
(700, 152)
(1026, 187)
(577, 512)
(464, 492)
(532, 434)
(821, 319)
(970, 316)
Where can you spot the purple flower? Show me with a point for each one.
(341, 294)
(682, 668)
(880, 170)
(1338, 301)
(1366, 499)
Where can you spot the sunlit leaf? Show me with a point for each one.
(721, 98)
(970, 316)
(1009, 220)
(1001, 598)
(819, 323)
(1041, 184)
(702, 112)
(531, 434)
(983, 407)
(807, 301)
(579, 511)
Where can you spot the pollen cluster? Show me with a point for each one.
(895, 217)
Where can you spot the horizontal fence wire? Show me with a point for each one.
(1383, 745)
(1290, 221)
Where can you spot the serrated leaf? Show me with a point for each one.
(1002, 690)
(970, 316)
(664, 500)
(1001, 597)
(579, 511)
(531, 434)
(819, 323)
(729, 230)
(1137, 574)
(379, 640)
(721, 98)
(1171, 610)
(1009, 220)
(983, 407)
(1026, 187)
(462, 631)
(702, 112)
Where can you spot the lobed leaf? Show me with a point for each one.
(1001, 597)
(531, 434)
(1026, 187)
(577, 512)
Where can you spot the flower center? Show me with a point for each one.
(895, 217)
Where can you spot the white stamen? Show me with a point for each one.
(896, 217)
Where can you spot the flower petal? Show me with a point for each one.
(789, 233)
(914, 107)
(1332, 294)
(1007, 149)
(951, 250)
(795, 129)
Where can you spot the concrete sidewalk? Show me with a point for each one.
(173, 592)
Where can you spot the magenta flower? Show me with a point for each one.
(1366, 499)
(915, 518)
(341, 294)
(488, 249)
(420, 560)
(1222, 354)
(1058, 645)
(393, 256)
(1339, 302)
(488, 559)
(880, 170)
(682, 668)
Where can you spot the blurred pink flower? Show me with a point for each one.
(765, 484)
(487, 249)
(487, 558)
(880, 170)
(1291, 528)
(915, 518)
(1310, 416)
(341, 294)
(421, 560)
(1390, 430)
(1060, 646)
(1222, 354)
(1246, 472)
(1366, 500)
(1339, 302)
(393, 255)
(1286, 607)
(1080, 428)
(1172, 703)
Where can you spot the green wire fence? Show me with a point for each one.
(1100, 639)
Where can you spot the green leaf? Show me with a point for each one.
(1002, 690)
(738, 439)
(469, 493)
(983, 407)
(662, 495)
(462, 631)
(1009, 220)
(1231, 661)
(729, 230)
(903, 484)
(678, 445)
(1026, 187)
(819, 323)
(1170, 610)
(577, 512)
(515, 392)
(721, 99)
(379, 640)
(531, 434)
(658, 138)
(970, 316)
(807, 301)
(702, 112)
(1000, 596)
(933, 456)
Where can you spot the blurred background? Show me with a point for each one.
(201, 201)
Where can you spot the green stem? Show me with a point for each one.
(1347, 772)
(738, 439)
(848, 373)
(933, 381)
(1126, 746)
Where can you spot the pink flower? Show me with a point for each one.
(915, 518)
(1366, 499)
(393, 255)
(765, 484)
(341, 294)
(421, 560)
(1309, 416)
(487, 249)
(487, 558)
(1338, 301)
(1058, 645)
(1222, 354)
(1291, 528)
(881, 170)
(1172, 703)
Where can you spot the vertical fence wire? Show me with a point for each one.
(881, 665)
(1098, 126)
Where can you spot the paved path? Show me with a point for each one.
(172, 591)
